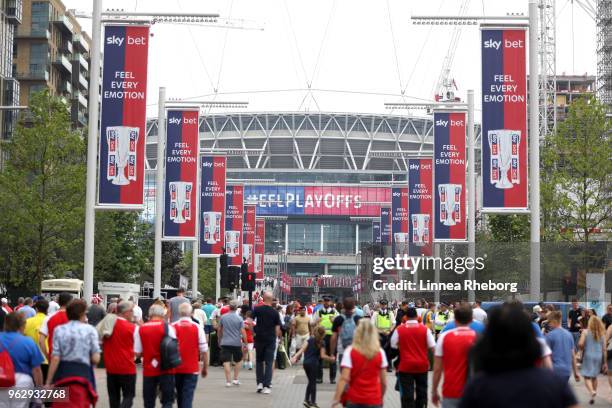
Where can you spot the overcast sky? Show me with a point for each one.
(356, 54)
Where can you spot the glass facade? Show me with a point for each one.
(339, 238)
(304, 238)
(275, 237)
(319, 177)
(39, 55)
(40, 17)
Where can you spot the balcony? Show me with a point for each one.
(14, 11)
(81, 117)
(64, 24)
(66, 87)
(78, 57)
(81, 98)
(34, 74)
(63, 63)
(33, 34)
(83, 83)
(80, 43)
(66, 47)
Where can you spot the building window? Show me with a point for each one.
(40, 17)
(304, 238)
(275, 237)
(339, 239)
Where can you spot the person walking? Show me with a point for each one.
(478, 314)
(443, 316)
(609, 351)
(594, 355)
(505, 359)
(32, 330)
(267, 330)
(75, 351)
(175, 302)
(26, 309)
(232, 338)
(95, 311)
(363, 380)
(451, 358)
(209, 308)
(324, 317)
(384, 321)
(118, 353)
(193, 349)
(147, 344)
(574, 316)
(301, 328)
(249, 325)
(561, 343)
(313, 350)
(47, 329)
(343, 328)
(414, 341)
(24, 354)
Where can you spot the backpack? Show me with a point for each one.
(347, 330)
(7, 369)
(169, 351)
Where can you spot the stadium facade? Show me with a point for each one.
(319, 179)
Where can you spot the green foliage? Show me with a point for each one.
(577, 174)
(42, 185)
(206, 274)
(509, 227)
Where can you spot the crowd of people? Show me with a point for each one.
(507, 356)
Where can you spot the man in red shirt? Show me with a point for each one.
(451, 357)
(118, 353)
(193, 349)
(147, 343)
(48, 326)
(413, 340)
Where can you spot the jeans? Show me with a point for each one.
(384, 339)
(311, 389)
(264, 355)
(408, 383)
(149, 390)
(450, 402)
(185, 388)
(117, 384)
(576, 336)
(332, 366)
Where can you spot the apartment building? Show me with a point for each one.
(10, 18)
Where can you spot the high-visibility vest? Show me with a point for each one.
(383, 321)
(326, 320)
(441, 320)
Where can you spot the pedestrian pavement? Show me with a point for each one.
(288, 388)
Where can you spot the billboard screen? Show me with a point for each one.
(340, 200)
(504, 120)
(449, 176)
(181, 179)
(122, 117)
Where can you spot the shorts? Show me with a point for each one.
(231, 353)
(208, 329)
(250, 346)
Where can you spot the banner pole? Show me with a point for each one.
(471, 189)
(217, 279)
(194, 270)
(159, 190)
(534, 152)
(92, 152)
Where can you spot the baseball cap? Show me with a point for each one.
(383, 302)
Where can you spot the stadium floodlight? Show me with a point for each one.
(154, 18)
(231, 152)
(209, 104)
(465, 20)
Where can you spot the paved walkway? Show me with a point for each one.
(288, 388)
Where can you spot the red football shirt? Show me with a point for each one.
(147, 342)
(119, 348)
(191, 341)
(55, 320)
(454, 346)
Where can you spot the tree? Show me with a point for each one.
(206, 274)
(509, 228)
(42, 186)
(124, 247)
(577, 174)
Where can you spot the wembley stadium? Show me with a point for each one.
(319, 179)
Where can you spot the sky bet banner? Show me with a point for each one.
(234, 222)
(399, 220)
(504, 120)
(318, 200)
(182, 151)
(212, 205)
(449, 176)
(122, 135)
(248, 247)
(376, 232)
(260, 247)
(385, 225)
(420, 201)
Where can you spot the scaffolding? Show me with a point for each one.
(546, 97)
(604, 51)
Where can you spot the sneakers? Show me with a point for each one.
(266, 390)
(307, 404)
(259, 387)
(236, 382)
(250, 365)
(228, 384)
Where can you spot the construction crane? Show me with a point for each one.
(446, 86)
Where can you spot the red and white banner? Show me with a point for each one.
(260, 247)
(248, 247)
(212, 205)
(234, 223)
(420, 206)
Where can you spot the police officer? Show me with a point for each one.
(443, 316)
(324, 317)
(384, 320)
